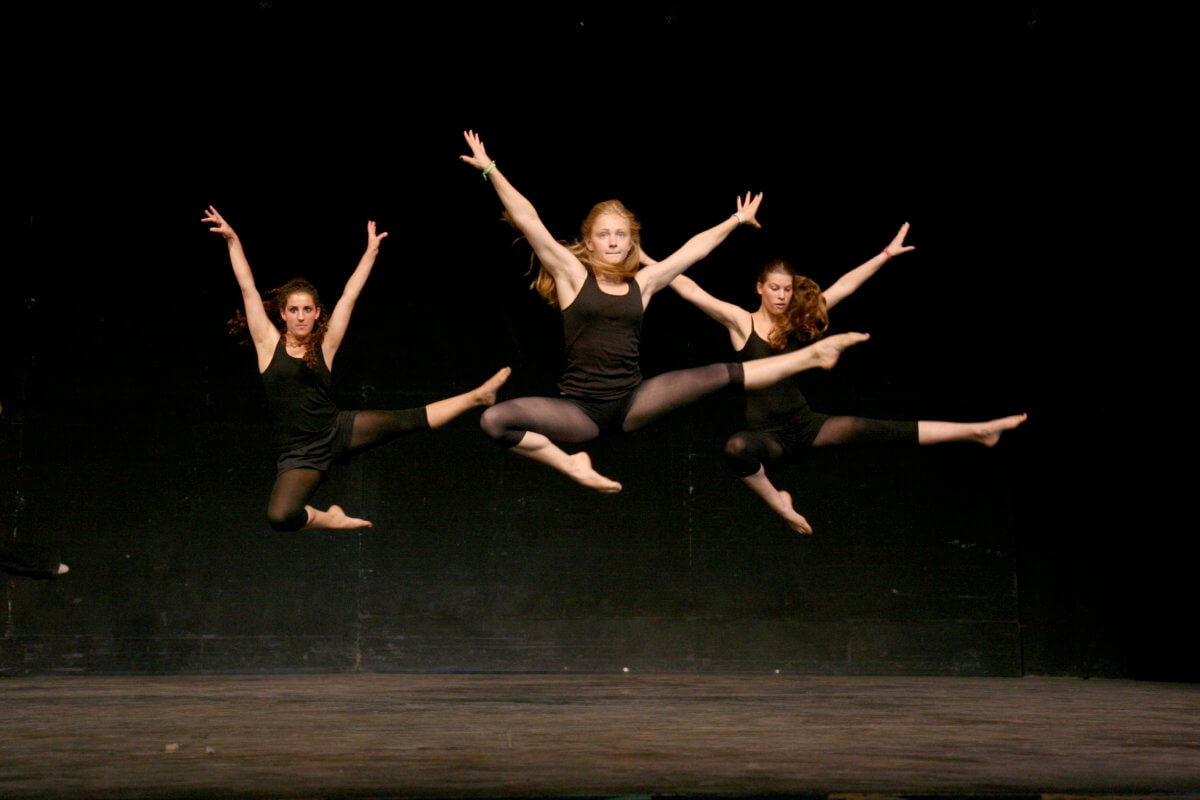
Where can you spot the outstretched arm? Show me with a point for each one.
(335, 331)
(736, 320)
(848, 284)
(658, 276)
(264, 334)
(563, 266)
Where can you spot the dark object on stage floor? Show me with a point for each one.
(28, 560)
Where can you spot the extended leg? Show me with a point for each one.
(763, 372)
(672, 390)
(985, 433)
(838, 431)
(531, 425)
(747, 452)
(859, 430)
(287, 509)
(665, 393)
(442, 411)
(373, 428)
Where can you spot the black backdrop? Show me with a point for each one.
(135, 434)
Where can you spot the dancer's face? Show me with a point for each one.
(300, 314)
(776, 292)
(610, 239)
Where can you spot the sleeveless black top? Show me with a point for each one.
(779, 401)
(602, 335)
(299, 397)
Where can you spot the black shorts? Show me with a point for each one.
(794, 433)
(322, 450)
(607, 414)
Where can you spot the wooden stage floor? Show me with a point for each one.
(376, 735)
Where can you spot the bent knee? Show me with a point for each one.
(494, 425)
(287, 519)
(735, 446)
(740, 456)
(490, 423)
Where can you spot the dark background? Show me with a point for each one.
(135, 435)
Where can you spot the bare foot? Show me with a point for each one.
(829, 350)
(579, 469)
(796, 522)
(989, 432)
(335, 519)
(485, 395)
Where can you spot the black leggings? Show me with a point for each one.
(286, 508)
(747, 451)
(565, 420)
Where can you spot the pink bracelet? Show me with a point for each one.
(885, 253)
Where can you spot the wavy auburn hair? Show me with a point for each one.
(274, 304)
(806, 316)
(544, 285)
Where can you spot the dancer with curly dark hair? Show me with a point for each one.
(296, 344)
(792, 312)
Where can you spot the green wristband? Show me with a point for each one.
(490, 167)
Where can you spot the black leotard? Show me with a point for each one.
(309, 429)
(781, 408)
(602, 335)
(781, 423)
(602, 388)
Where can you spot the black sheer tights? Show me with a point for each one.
(573, 421)
(286, 509)
(747, 451)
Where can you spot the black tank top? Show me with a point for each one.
(602, 335)
(298, 396)
(780, 400)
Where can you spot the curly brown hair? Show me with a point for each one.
(544, 284)
(806, 317)
(274, 303)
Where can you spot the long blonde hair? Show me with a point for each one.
(544, 285)
(806, 315)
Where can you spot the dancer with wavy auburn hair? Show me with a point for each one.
(296, 344)
(792, 312)
(597, 284)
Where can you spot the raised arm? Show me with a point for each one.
(848, 284)
(736, 320)
(659, 275)
(563, 266)
(335, 331)
(262, 332)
